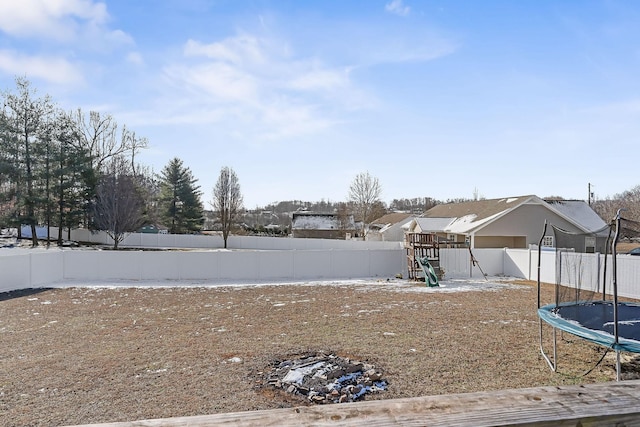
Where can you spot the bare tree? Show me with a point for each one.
(119, 205)
(99, 136)
(227, 200)
(628, 200)
(344, 217)
(364, 194)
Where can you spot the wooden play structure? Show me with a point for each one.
(423, 255)
(422, 248)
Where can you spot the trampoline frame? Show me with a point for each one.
(549, 314)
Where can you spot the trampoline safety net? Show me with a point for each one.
(584, 270)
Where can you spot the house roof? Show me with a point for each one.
(580, 211)
(480, 209)
(430, 225)
(466, 217)
(387, 221)
(471, 216)
(318, 221)
(391, 218)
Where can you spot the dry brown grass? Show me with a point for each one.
(625, 247)
(83, 355)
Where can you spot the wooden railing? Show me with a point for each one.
(605, 404)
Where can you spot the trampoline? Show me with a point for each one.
(593, 321)
(586, 301)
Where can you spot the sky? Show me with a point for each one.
(434, 98)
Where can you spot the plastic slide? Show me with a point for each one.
(430, 277)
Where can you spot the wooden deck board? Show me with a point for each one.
(605, 404)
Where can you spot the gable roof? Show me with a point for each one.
(480, 209)
(467, 217)
(391, 218)
(386, 222)
(578, 211)
(429, 225)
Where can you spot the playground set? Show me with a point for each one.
(423, 257)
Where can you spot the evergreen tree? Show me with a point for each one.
(179, 204)
(24, 119)
(8, 176)
(72, 181)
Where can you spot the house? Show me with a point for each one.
(513, 222)
(388, 228)
(322, 225)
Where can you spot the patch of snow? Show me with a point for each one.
(316, 222)
(371, 284)
(579, 212)
(430, 224)
(297, 375)
(467, 222)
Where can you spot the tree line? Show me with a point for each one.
(70, 169)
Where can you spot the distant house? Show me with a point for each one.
(388, 228)
(322, 225)
(512, 222)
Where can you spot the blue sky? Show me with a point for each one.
(437, 98)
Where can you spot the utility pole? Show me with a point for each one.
(590, 199)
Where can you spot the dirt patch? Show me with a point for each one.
(90, 355)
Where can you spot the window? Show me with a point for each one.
(590, 244)
(547, 241)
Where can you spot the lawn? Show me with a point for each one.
(116, 353)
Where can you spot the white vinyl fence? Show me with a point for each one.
(31, 268)
(289, 259)
(523, 263)
(201, 241)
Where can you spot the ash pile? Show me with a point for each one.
(322, 378)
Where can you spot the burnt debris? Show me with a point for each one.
(326, 378)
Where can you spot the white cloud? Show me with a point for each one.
(115, 37)
(216, 80)
(49, 68)
(243, 49)
(135, 58)
(263, 63)
(62, 30)
(57, 19)
(257, 81)
(397, 7)
(323, 79)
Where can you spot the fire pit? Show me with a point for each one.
(325, 378)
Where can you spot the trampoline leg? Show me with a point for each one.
(617, 365)
(553, 365)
